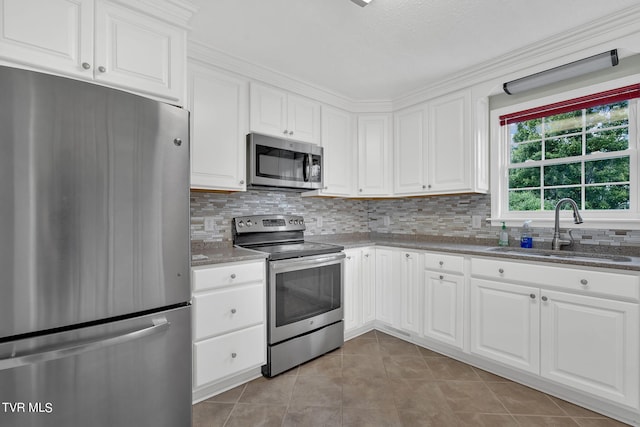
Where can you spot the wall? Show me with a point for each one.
(441, 216)
(338, 216)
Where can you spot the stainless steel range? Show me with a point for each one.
(304, 289)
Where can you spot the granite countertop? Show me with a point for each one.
(225, 252)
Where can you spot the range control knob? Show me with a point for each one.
(240, 224)
(301, 222)
(290, 221)
(295, 222)
(249, 223)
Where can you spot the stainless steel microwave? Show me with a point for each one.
(283, 163)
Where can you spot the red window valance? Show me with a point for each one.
(601, 98)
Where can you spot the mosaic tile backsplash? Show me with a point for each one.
(442, 216)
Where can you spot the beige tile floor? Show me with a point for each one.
(380, 380)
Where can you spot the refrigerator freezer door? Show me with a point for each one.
(133, 372)
(94, 201)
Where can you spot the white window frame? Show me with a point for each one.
(500, 153)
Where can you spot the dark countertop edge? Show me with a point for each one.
(226, 253)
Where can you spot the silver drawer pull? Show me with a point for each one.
(532, 296)
(584, 282)
(233, 355)
(233, 276)
(544, 298)
(233, 311)
(500, 270)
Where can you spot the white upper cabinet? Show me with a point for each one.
(339, 145)
(374, 155)
(55, 35)
(138, 52)
(437, 150)
(278, 113)
(96, 40)
(410, 151)
(219, 124)
(449, 142)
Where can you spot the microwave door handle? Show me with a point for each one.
(307, 167)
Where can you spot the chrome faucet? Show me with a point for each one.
(557, 243)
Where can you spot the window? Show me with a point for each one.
(583, 148)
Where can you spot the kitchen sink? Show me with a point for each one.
(582, 256)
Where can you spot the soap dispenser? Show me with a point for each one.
(526, 241)
(503, 240)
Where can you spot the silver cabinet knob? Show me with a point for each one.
(285, 131)
(407, 255)
(233, 275)
(290, 132)
(102, 69)
(242, 182)
(441, 277)
(584, 282)
(441, 263)
(424, 186)
(325, 188)
(429, 186)
(233, 355)
(532, 296)
(366, 255)
(360, 190)
(177, 142)
(349, 257)
(544, 298)
(233, 311)
(86, 65)
(500, 270)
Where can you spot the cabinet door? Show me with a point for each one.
(268, 111)
(303, 119)
(387, 287)
(368, 276)
(218, 105)
(338, 144)
(51, 34)
(139, 53)
(443, 307)
(409, 159)
(591, 344)
(353, 301)
(505, 323)
(410, 270)
(450, 145)
(374, 155)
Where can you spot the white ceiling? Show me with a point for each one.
(388, 48)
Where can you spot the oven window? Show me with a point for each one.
(302, 294)
(282, 164)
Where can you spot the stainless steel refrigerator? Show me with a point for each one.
(95, 325)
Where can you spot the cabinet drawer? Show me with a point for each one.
(228, 354)
(442, 262)
(575, 279)
(226, 275)
(225, 310)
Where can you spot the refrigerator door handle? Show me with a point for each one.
(160, 324)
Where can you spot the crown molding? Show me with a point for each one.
(618, 30)
(200, 52)
(175, 12)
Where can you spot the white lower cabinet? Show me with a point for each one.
(576, 327)
(387, 286)
(410, 271)
(590, 344)
(359, 289)
(505, 323)
(229, 318)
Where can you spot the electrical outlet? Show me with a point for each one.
(319, 221)
(475, 221)
(209, 223)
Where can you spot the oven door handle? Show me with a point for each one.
(306, 262)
